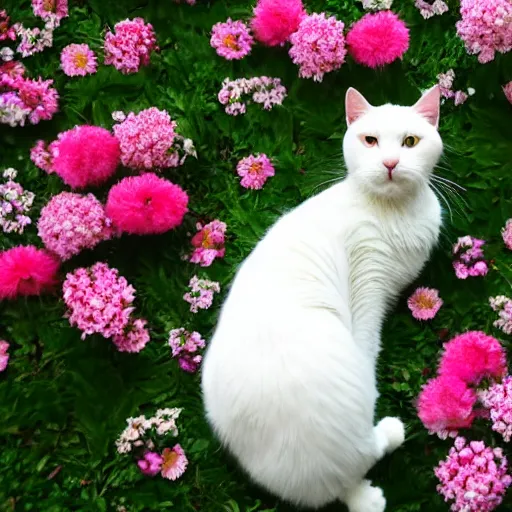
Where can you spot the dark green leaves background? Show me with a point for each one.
(63, 401)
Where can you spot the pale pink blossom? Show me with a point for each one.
(175, 462)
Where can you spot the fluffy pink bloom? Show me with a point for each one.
(201, 293)
(134, 338)
(4, 356)
(232, 39)
(473, 476)
(473, 356)
(78, 60)
(15, 203)
(503, 305)
(185, 347)
(6, 31)
(507, 90)
(147, 204)
(469, 257)
(85, 156)
(150, 464)
(486, 27)
(38, 97)
(275, 21)
(50, 8)
(147, 140)
(498, 400)
(26, 270)
(41, 156)
(98, 300)
(255, 170)
(424, 303)
(175, 462)
(208, 243)
(131, 45)
(378, 39)
(318, 46)
(506, 232)
(445, 404)
(71, 222)
(430, 8)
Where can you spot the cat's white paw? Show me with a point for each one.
(394, 432)
(366, 498)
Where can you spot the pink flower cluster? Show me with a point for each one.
(469, 257)
(208, 243)
(236, 94)
(424, 303)
(473, 476)
(507, 90)
(134, 337)
(503, 305)
(7, 31)
(185, 346)
(15, 203)
(130, 46)
(431, 8)
(50, 9)
(506, 233)
(201, 293)
(35, 40)
(4, 355)
(72, 222)
(318, 46)
(255, 170)
(232, 39)
(445, 81)
(486, 27)
(141, 437)
(498, 400)
(78, 60)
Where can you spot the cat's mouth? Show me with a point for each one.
(390, 174)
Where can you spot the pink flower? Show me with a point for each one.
(506, 232)
(460, 98)
(71, 222)
(424, 303)
(275, 21)
(431, 8)
(473, 476)
(78, 60)
(185, 346)
(318, 46)
(26, 270)
(41, 156)
(12, 69)
(498, 399)
(38, 97)
(85, 156)
(445, 81)
(12, 110)
(50, 8)
(6, 31)
(231, 40)
(147, 140)
(254, 171)
(174, 462)
(130, 47)
(134, 338)
(468, 254)
(208, 243)
(150, 464)
(4, 356)
(503, 305)
(507, 90)
(445, 404)
(378, 39)
(15, 203)
(35, 40)
(473, 356)
(146, 204)
(201, 293)
(486, 27)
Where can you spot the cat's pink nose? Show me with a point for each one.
(390, 164)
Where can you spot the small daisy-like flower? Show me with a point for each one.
(78, 60)
(254, 171)
(174, 462)
(232, 39)
(424, 303)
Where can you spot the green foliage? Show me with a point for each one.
(64, 401)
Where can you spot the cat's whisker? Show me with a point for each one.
(443, 197)
(449, 188)
(442, 178)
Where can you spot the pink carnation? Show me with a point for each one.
(47, 9)
(255, 170)
(134, 338)
(4, 356)
(473, 476)
(318, 46)
(147, 204)
(201, 293)
(78, 60)
(486, 27)
(468, 257)
(473, 356)
(445, 404)
(174, 462)
(424, 303)
(26, 270)
(231, 40)
(208, 243)
(12, 69)
(131, 45)
(378, 39)
(6, 31)
(150, 464)
(185, 347)
(12, 110)
(41, 156)
(38, 97)
(85, 156)
(71, 222)
(498, 400)
(276, 20)
(506, 232)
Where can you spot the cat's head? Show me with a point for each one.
(390, 150)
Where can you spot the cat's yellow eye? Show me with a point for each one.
(370, 141)
(410, 141)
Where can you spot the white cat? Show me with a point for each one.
(289, 377)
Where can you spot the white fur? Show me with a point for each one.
(289, 376)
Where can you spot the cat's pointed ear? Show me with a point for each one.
(355, 105)
(428, 105)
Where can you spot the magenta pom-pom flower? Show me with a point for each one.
(130, 46)
(208, 243)
(146, 204)
(48, 9)
(174, 462)
(78, 60)
(72, 222)
(473, 356)
(498, 400)
(200, 294)
(473, 476)
(185, 347)
(134, 337)
(150, 464)
(231, 39)
(4, 355)
(318, 46)
(469, 257)
(424, 303)
(26, 270)
(503, 305)
(275, 21)
(378, 39)
(254, 171)
(506, 232)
